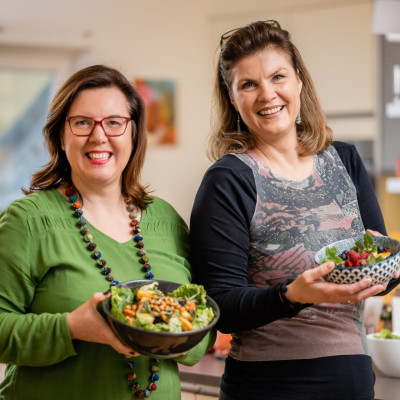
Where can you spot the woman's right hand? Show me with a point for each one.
(86, 323)
(310, 288)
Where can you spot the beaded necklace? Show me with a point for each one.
(101, 263)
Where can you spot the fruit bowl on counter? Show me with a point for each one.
(377, 258)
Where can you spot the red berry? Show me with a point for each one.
(348, 264)
(364, 255)
(353, 256)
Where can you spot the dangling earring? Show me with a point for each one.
(238, 123)
(298, 119)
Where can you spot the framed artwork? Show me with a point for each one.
(159, 99)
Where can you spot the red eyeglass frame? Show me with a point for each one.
(97, 122)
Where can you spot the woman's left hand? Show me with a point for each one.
(86, 323)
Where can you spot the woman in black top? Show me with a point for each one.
(280, 190)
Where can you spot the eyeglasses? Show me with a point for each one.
(84, 126)
(228, 34)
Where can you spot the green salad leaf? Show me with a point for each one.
(191, 291)
(386, 334)
(120, 297)
(173, 326)
(203, 317)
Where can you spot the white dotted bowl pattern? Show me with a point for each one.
(380, 272)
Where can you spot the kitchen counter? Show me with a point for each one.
(204, 378)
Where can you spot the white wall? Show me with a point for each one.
(175, 39)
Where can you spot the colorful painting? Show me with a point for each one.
(159, 98)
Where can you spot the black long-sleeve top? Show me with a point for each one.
(219, 237)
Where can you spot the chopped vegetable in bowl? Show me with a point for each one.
(184, 309)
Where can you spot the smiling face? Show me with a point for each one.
(265, 90)
(98, 159)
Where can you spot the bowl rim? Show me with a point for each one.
(206, 328)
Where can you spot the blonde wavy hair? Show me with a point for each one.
(313, 134)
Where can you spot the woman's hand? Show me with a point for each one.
(310, 288)
(86, 323)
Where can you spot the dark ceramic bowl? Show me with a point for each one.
(380, 272)
(157, 344)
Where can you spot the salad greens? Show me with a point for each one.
(386, 334)
(183, 309)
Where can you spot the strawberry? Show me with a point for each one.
(348, 263)
(364, 255)
(353, 256)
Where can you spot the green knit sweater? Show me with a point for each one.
(47, 271)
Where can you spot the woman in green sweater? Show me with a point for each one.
(70, 238)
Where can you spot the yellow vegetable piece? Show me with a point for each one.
(186, 325)
(386, 254)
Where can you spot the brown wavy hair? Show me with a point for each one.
(58, 170)
(313, 134)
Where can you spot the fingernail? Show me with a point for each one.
(107, 292)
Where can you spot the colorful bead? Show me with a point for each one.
(138, 238)
(106, 270)
(88, 238)
(149, 275)
(136, 230)
(152, 387)
(133, 215)
(131, 364)
(96, 254)
(73, 199)
(147, 267)
(154, 368)
(85, 230)
(134, 386)
(131, 376)
(139, 245)
(101, 263)
(92, 246)
(76, 205)
(146, 393)
(82, 222)
(110, 277)
(115, 283)
(154, 377)
(140, 394)
(145, 259)
(78, 213)
(142, 252)
(69, 192)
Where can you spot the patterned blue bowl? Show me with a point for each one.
(380, 272)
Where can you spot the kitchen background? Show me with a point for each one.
(43, 41)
